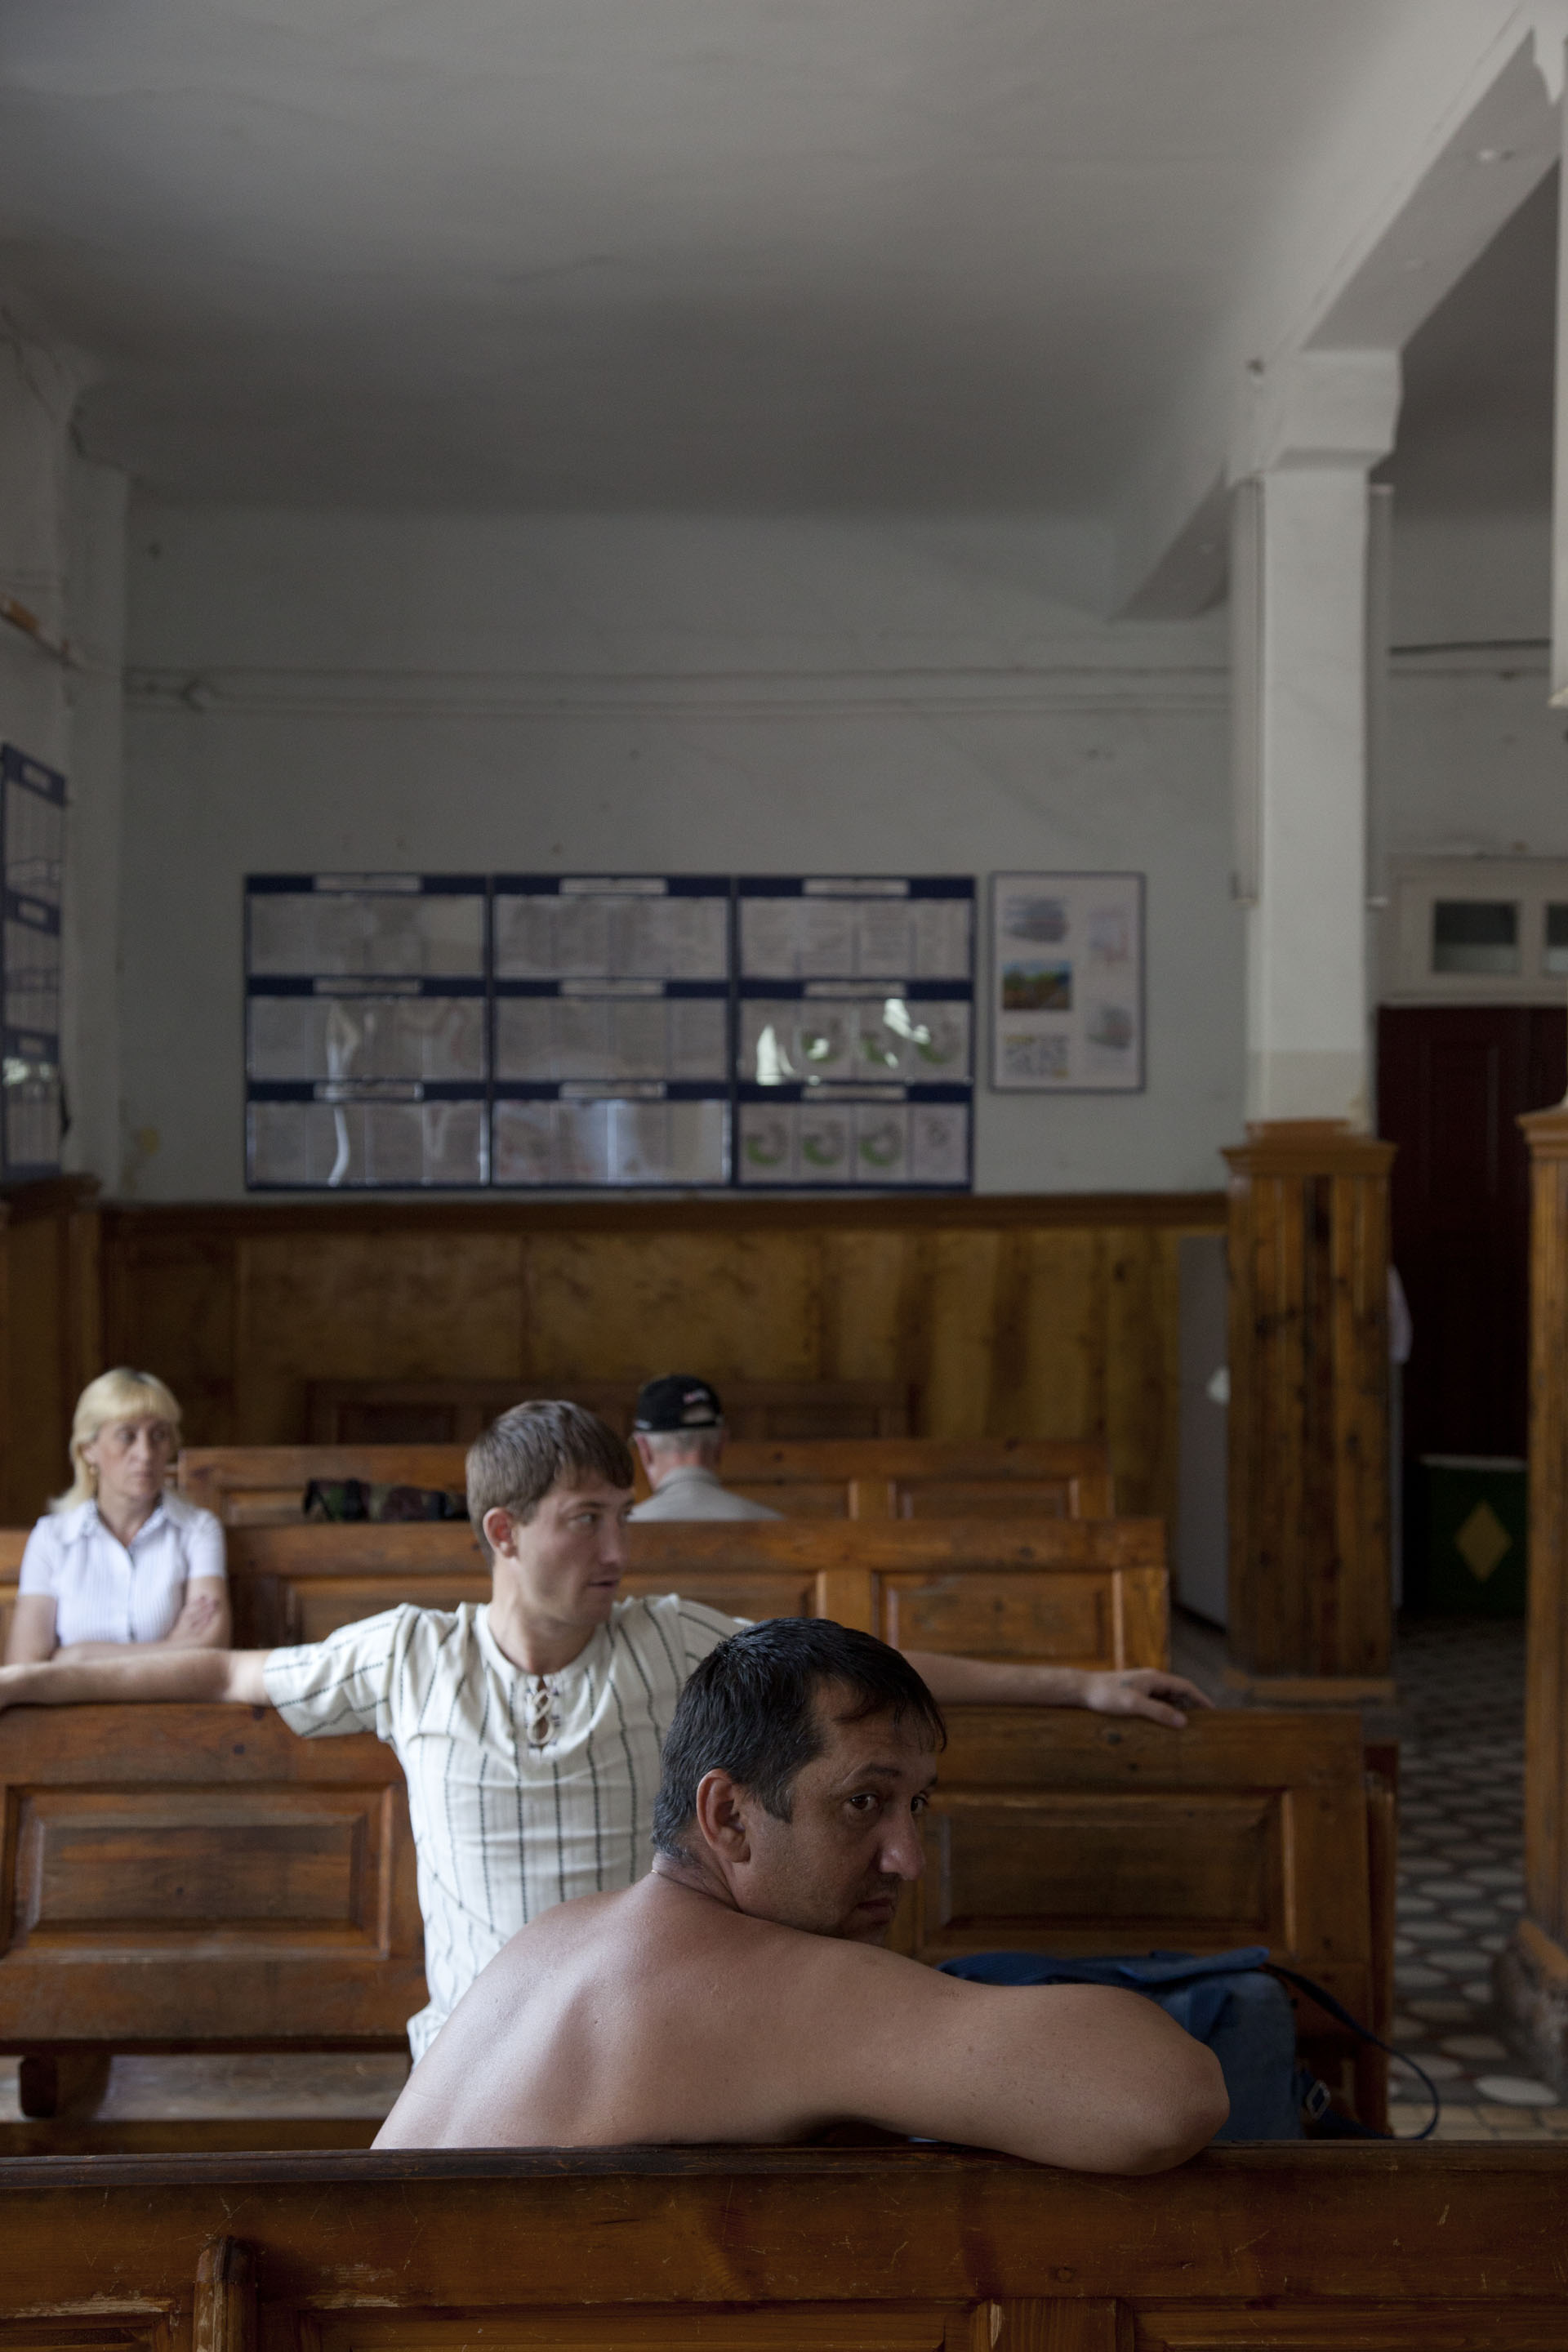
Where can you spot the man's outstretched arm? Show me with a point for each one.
(1135, 1690)
(149, 1671)
(1081, 2075)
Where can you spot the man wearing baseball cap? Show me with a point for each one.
(678, 1434)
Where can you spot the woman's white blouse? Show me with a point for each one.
(102, 1592)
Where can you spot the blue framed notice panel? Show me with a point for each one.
(612, 1030)
(528, 1031)
(856, 1031)
(32, 828)
(367, 1017)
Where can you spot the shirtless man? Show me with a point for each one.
(738, 1993)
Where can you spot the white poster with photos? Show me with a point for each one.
(1067, 982)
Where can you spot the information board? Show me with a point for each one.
(1066, 1013)
(32, 830)
(566, 1031)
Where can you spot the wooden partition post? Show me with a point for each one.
(1532, 1972)
(1311, 1609)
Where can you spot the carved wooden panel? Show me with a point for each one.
(980, 1498)
(1076, 1872)
(200, 1874)
(1068, 1832)
(1054, 1615)
(142, 1867)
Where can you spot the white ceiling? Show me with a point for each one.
(608, 253)
(1476, 425)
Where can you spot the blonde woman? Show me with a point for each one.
(119, 1558)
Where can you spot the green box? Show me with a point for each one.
(1476, 1516)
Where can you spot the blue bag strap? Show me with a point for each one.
(1341, 2016)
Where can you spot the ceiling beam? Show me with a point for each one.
(1449, 130)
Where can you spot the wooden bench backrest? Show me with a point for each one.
(1281, 2249)
(198, 1874)
(1089, 1592)
(840, 1478)
(1069, 1832)
(442, 1412)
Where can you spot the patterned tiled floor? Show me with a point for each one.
(1460, 1724)
(1461, 1883)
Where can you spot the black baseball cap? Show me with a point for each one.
(678, 1401)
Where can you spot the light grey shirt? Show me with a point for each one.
(693, 1493)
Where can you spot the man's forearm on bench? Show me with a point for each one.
(149, 1673)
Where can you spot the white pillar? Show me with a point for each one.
(1314, 428)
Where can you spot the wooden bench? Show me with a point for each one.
(916, 1477)
(189, 1877)
(437, 1412)
(1109, 1835)
(1090, 1592)
(827, 2249)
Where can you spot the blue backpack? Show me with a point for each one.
(1235, 2002)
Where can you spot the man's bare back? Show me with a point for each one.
(739, 1992)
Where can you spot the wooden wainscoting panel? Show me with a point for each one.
(50, 1331)
(1142, 1367)
(1039, 1318)
(719, 1304)
(350, 1304)
(170, 1301)
(861, 1277)
(1061, 1384)
(960, 1332)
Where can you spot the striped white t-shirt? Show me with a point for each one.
(524, 1789)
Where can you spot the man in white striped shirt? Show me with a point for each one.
(528, 1729)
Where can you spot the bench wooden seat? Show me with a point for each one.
(1300, 2248)
(1090, 1592)
(444, 1412)
(841, 1478)
(188, 1877)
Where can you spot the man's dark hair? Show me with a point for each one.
(515, 1462)
(749, 1709)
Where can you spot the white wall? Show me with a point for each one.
(317, 692)
(62, 558)
(1476, 760)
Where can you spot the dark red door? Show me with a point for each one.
(1452, 1082)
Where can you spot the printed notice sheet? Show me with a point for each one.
(1067, 982)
